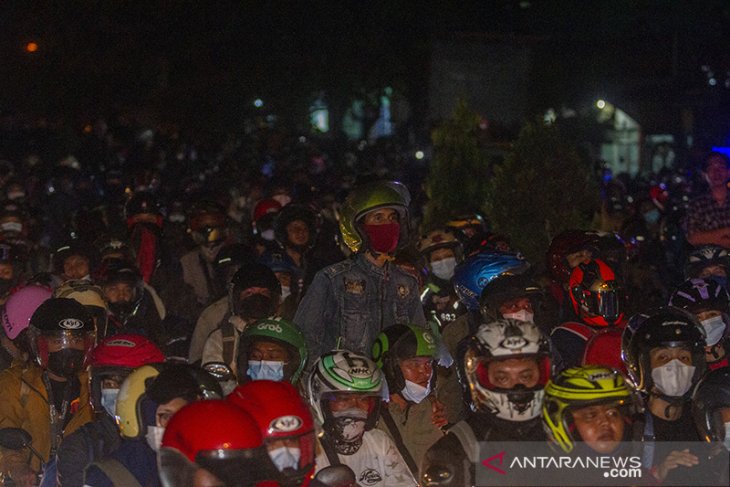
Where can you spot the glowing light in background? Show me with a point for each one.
(258, 103)
(31, 47)
(601, 104)
(420, 155)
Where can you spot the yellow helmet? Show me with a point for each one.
(369, 197)
(82, 291)
(133, 407)
(579, 387)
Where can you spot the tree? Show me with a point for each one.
(542, 188)
(458, 180)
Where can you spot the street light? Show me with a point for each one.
(601, 104)
(31, 47)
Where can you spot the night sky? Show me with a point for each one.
(185, 59)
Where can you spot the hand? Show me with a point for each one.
(438, 414)
(673, 460)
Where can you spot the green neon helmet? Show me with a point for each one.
(401, 342)
(342, 371)
(369, 197)
(278, 331)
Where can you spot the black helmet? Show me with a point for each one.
(68, 250)
(665, 327)
(506, 287)
(704, 256)
(698, 295)
(186, 381)
(140, 203)
(253, 275)
(711, 394)
(60, 314)
(290, 213)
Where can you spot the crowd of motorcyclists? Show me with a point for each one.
(260, 314)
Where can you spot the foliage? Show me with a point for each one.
(542, 188)
(458, 180)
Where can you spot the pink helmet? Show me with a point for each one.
(20, 306)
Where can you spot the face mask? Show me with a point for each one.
(265, 370)
(521, 315)
(122, 310)
(255, 307)
(714, 328)
(176, 217)
(651, 216)
(285, 457)
(674, 378)
(415, 392)
(5, 285)
(109, 401)
(66, 362)
(154, 437)
(285, 293)
(348, 429)
(16, 195)
(383, 239)
(268, 235)
(726, 441)
(444, 269)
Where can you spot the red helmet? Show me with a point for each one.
(117, 356)
(563, 244)
(604, 348)
(285, 422)
(217, 436)
(264, 207)
(596, 295)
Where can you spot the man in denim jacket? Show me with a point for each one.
(350, 302)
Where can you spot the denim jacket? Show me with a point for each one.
(355, 300)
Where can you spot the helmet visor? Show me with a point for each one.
(231, 466)
(341, 401)
(605, 300)
(530, 372)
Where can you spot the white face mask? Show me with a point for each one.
(726, 441)
(268, 235)
(444, 268)
(154, 437)
(285, 292)
(674, 378)
(285, 457)
(13, 227)
(109, 400)
(265, 370)
(521, 315)
(714, 329)
(415, 392)
(283, 199)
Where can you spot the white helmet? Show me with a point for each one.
(513, 390)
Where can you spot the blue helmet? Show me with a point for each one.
(473, 275)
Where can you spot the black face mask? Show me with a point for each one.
(6, 285)
(66, 362)
(122, 310)
(521, 398)
(255, 307)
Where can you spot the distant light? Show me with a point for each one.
(712, 81)
(31, 47)
(302, 139)
(601, 104)
(88, 128)
(258, 103)
(420, 155)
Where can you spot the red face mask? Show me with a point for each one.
(383, 238)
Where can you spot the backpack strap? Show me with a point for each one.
(230, 335)
(465, 434)
(398, 439)
(117, 473)
(329, 450)
(579, 329)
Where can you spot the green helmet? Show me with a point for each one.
(400, 342)
(344, 371)
(580, 387)
(278, 331)
(369, 197)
